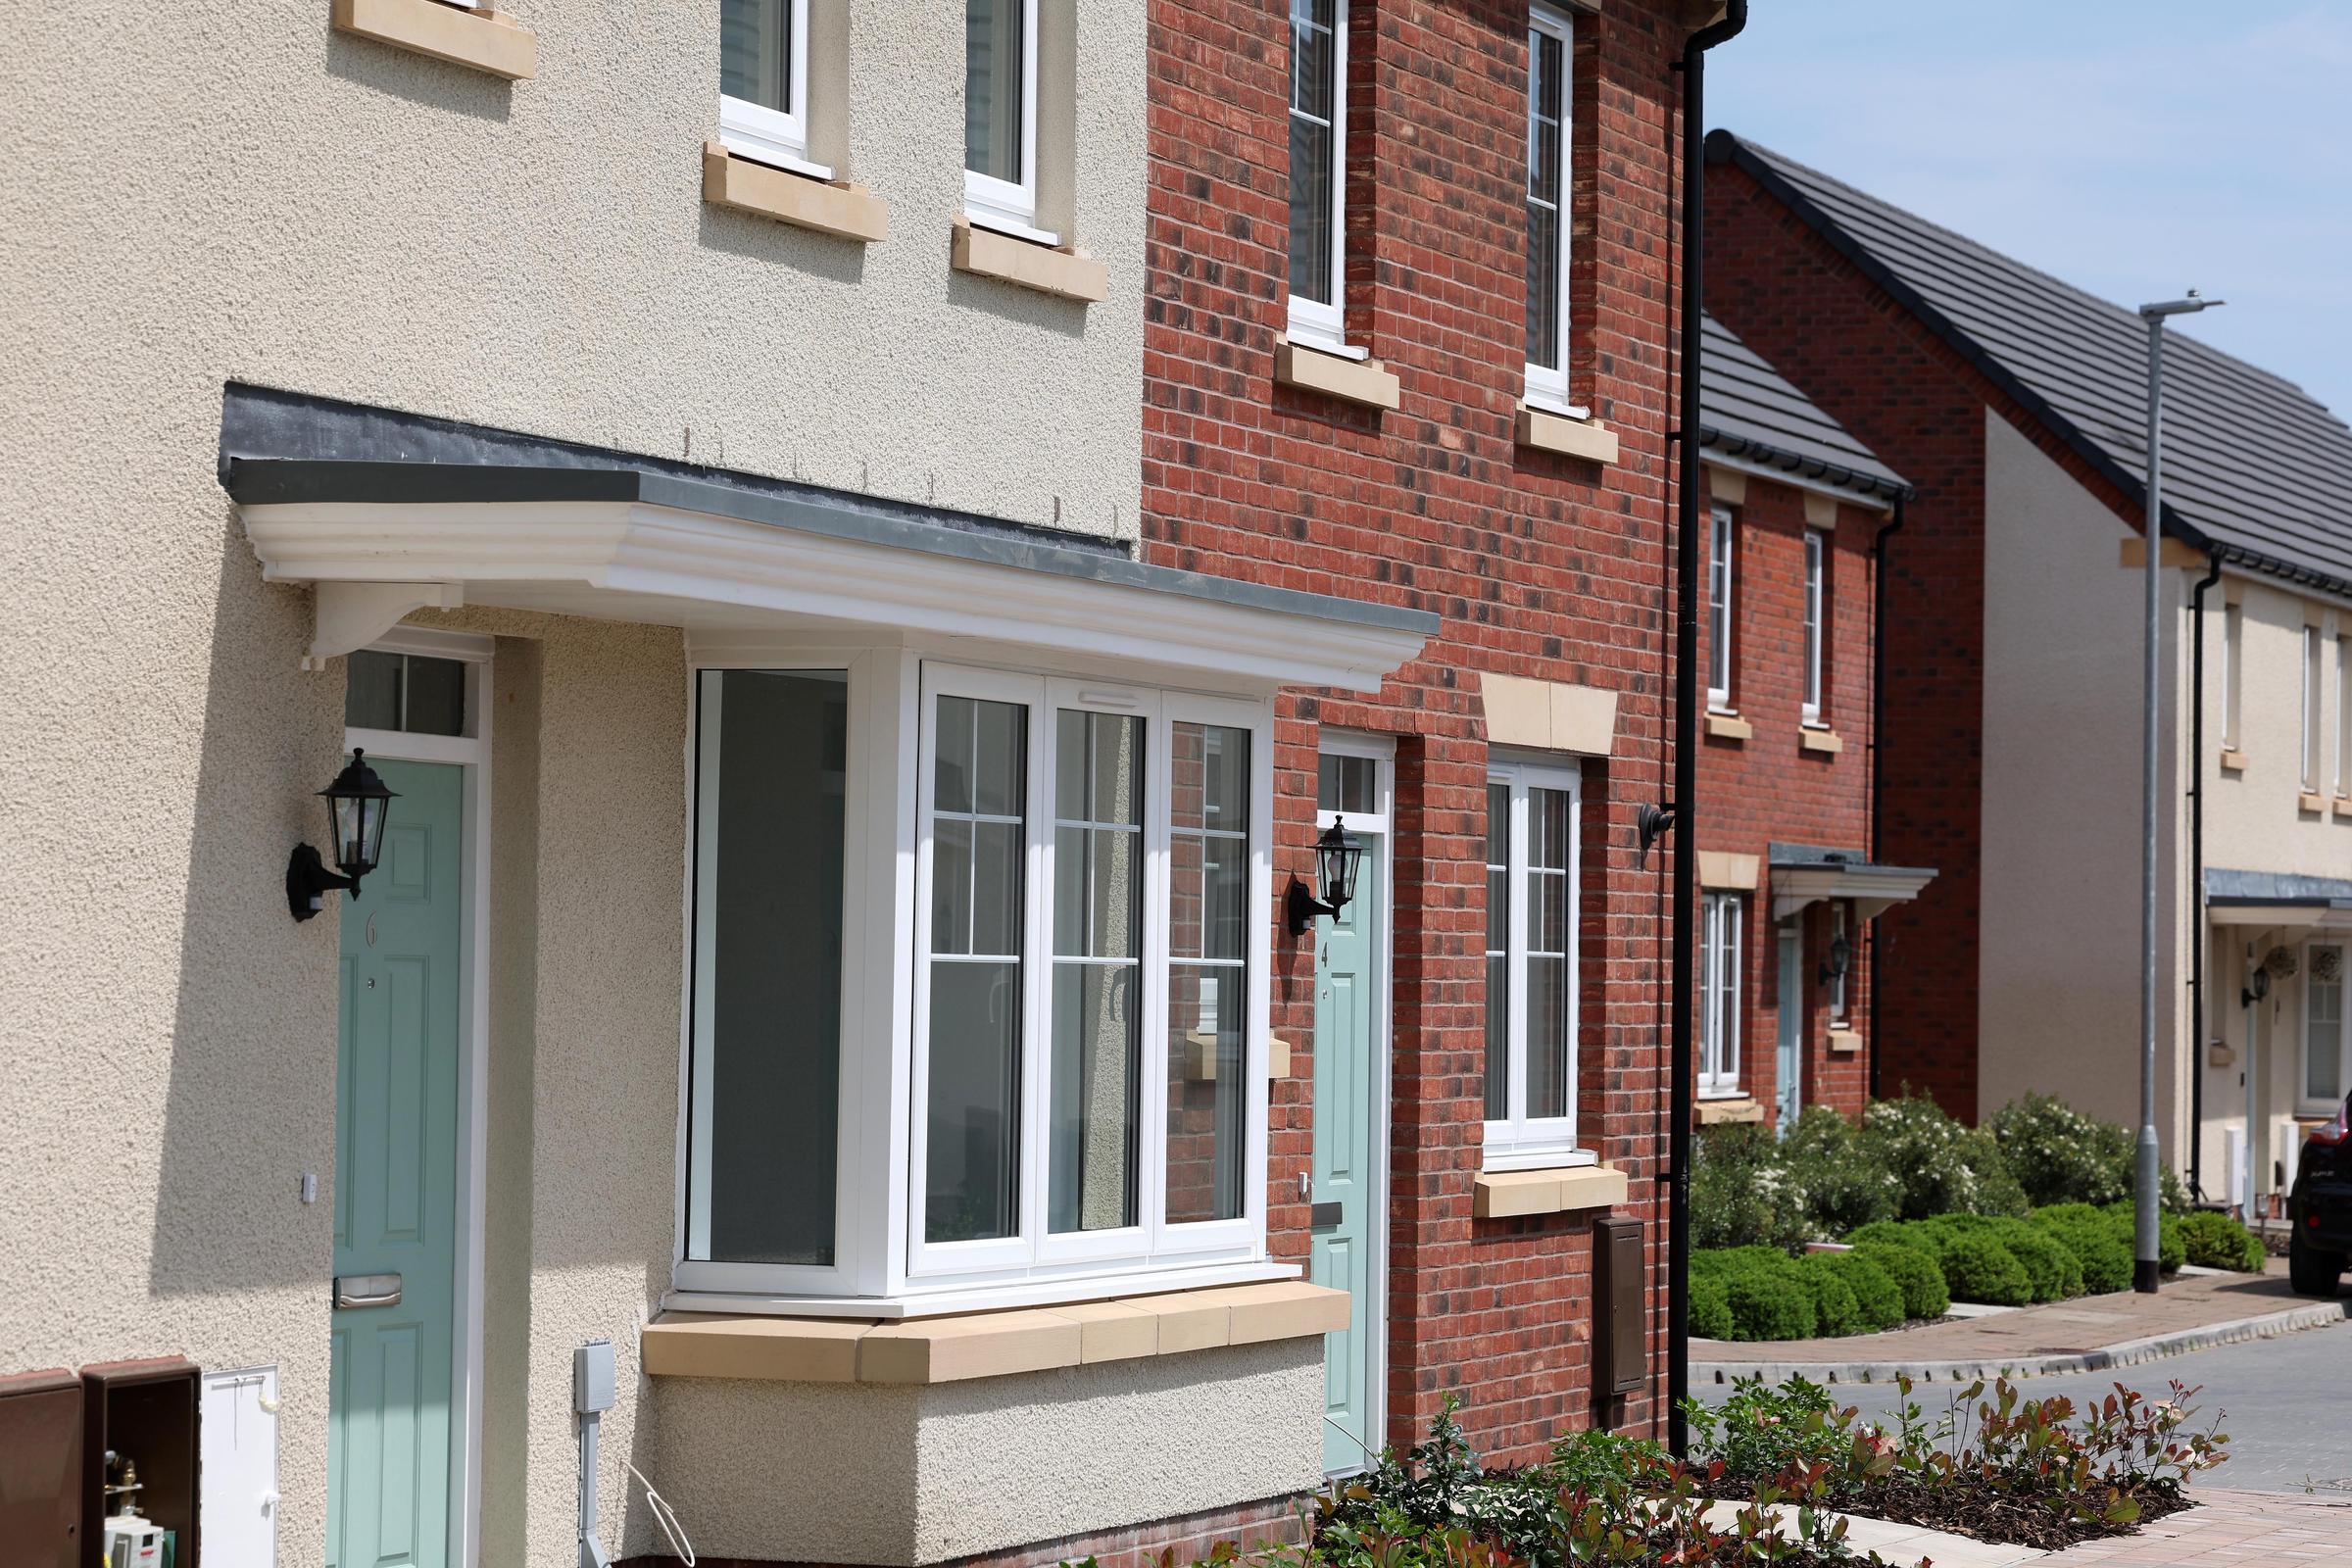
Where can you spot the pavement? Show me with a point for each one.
(2230, 1527)
(2089, 1334)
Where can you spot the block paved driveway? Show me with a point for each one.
(2232, 1527)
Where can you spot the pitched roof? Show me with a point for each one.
(2253, 464)
(1747, 410)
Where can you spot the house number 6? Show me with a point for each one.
(371, 930)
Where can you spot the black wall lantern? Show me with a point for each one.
(356, 804)
(1338, 856)
(1841, 958)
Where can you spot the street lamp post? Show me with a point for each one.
(2145, 1237)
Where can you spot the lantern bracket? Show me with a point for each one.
(349, 616)
(308, 881)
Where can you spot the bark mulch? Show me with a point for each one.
(1982, 1513)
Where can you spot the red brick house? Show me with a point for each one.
(1352, 384)
(1790, 888)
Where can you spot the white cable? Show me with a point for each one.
(665, 1515)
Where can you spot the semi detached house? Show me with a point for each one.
(837, 563)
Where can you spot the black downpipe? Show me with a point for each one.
(1684, 1068)
(2196, 883)
(1878, 746)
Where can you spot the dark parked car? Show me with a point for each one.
(2320, 1207)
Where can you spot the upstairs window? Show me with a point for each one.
(2311, 709)
(1532, 911)
(764, 81)
(1000, 113)
(1816, 634)
(1719, 613)
(2343, 717)
(1549, 46)
(1719, 974)
(1318, 170)
(2233, 630)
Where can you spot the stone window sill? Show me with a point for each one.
(1731, 1109)
(985, 1344)
(2314, 803)
(2343, 808)
(1845, 1041)
(1067, 274)
(1362, 381)
(483, 40)
(1824, 741)
(1510, 1194)
(1729, 727)
(842, 210)
(1542, 431)
(2233, 761)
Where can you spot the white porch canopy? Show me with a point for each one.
(622, 543)
(2283, 900)
(1803, 875)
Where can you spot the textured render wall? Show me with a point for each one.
(2061, 945)
(1541, 567)
(1769, 789)
(871, 1474)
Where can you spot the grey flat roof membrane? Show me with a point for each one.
(280, 448)
(2253, 464)
(1748, 410)
(2226, 886)
(1817, 858)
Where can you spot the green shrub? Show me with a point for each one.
(1743, 1193)
(1938, 1165)
(1710, 1305)
(2216, 1240)
(2059, 1156)
(1878, 1299)
(2104, 1256)
(1844, 1186)
(1835, 1310)
(2050, 1263)
(1768, 1294)
(1894, 1233)
(1978, 1268)
(1915, 1273)
(2172, 1247)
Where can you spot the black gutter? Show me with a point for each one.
(2196, 883)
(1878, 743)
(1689, 351)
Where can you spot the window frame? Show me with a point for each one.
(1325, 325)
(2234, 658)
(2312, 715)
(1839, 927)
(778, 136)
(1721, 910)
(1547, 384)
(1036, 1251)
(1722, 564)
(1011, 205)
(1816, 591)
(2344, 715)
(2305, 1105)
(1519, 1141)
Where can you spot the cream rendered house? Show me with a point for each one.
(820, 944)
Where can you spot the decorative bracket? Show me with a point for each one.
(352, 614)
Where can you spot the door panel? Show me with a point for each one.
(1347, 982)
(396, 1101)
(1791, 1063)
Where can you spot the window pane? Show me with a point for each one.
(991, 87)
(1315, 109)
(1544, 190)
(979, 834)
(2323, 1028)
(1550, 904)
(1098, 908)
(371, 684)
(1207, 972)
(436, 697)
(769, 933)
(1347, 784)
(1499, 955)
(754, 52)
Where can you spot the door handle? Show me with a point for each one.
(367, 1290)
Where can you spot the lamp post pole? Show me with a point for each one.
(2145, 1235)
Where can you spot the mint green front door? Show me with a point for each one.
(395, 1152)
(1346, 1227)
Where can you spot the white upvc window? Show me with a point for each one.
(1719, 972)
(2312, 709)
(1318, 168)
(1550, 52)
(2326, 1031)
(1532, 867)
(1084, 977)
(2343, 717)
(1816, 607)
(1000, 116)
(1719, 612)
(1837, 979)
(2233, 659)
(764, 82)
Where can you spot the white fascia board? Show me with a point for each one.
(758, 575)
(1793, 888)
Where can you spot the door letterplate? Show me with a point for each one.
(367, 1290)
(1324, 1216)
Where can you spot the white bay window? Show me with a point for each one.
(1533, 862)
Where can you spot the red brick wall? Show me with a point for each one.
(1540, 566)
(1767, 788)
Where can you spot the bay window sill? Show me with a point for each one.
(1514, 1193)
(1543, 430)
(485, 40)
(1065, 273)
(1364, 381)
(1728, 1108)
(743, 186)
(979, 1345)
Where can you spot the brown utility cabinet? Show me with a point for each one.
(40, 1468)
(1621, 1308)
(146, 1409)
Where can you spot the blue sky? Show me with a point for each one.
(2133, 149)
